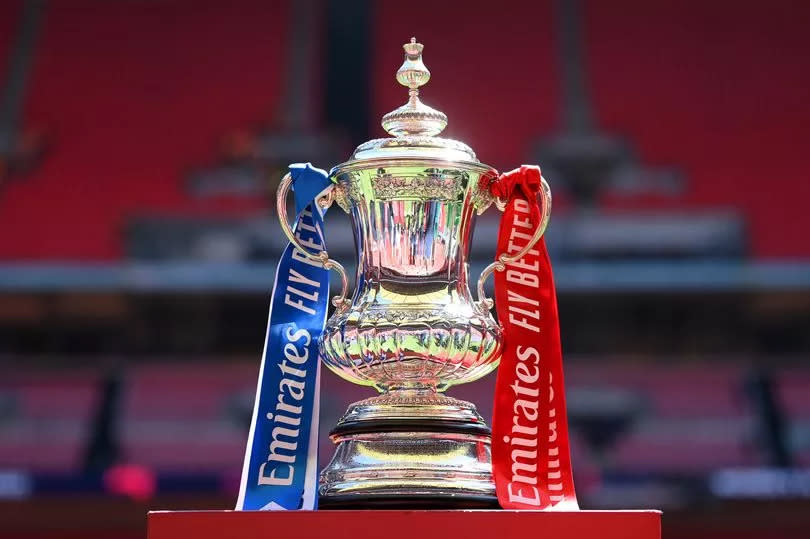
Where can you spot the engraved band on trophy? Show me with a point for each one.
(412, 328)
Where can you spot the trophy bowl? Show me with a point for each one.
(412, 323)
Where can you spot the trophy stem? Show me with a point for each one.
(410, 448)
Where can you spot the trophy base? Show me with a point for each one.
(410, 449)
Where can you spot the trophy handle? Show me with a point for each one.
(504, 259)
(324, 201)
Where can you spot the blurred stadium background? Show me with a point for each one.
(141, 142)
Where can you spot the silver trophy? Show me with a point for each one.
(412, 328)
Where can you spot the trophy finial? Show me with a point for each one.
(413, 73)
(414, 118)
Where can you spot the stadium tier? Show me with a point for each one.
(132, 97)
(146, 93)
(192, 417)
(713, 89)
(46, 419)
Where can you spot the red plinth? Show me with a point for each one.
(404, 524)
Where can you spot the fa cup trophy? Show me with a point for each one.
(413, 329)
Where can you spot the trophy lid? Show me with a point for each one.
(413, 126)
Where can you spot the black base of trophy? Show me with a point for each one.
(407, 502)
(409, 425)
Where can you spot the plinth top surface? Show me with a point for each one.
(469, 524)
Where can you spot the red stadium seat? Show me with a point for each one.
(45, 419)
(679, 457)
(671, 391)
(187, 417)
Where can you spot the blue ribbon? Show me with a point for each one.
(281, 461)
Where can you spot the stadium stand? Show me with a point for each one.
(186, 417)
(45, 419)
(132, 98)
(125, 139)
(680, 97)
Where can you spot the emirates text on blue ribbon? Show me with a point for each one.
(280, 468)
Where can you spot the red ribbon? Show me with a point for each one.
(531, 461)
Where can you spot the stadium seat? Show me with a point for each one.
(45, 419)
(187, 417)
